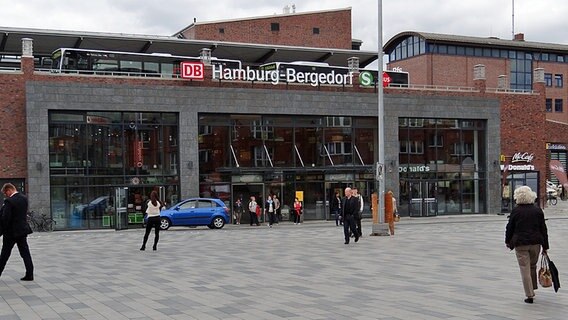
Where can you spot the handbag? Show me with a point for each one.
(258, 211)
(544, 275)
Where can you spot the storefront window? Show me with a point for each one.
(93, 153)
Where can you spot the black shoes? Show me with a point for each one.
(143, 248)
(27, 278)
(356, 239)
(346, 242)
(529, 300)
(154, 248)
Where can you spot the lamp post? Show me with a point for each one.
(380, 228)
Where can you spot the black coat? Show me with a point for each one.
(526, 226)
(15, 216)
(350, 206)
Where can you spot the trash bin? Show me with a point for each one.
(121, 219)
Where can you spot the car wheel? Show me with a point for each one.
(165, 223)
(218, 223)
(211, 226)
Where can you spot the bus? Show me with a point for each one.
(397, 78)
(87, 61)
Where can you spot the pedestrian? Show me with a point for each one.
(252, 211)
(336, 209)
(277, 207)
(526, 232)
(238, 209)
(271, 210)
(350, 206)
(297, 210)
(15, 228)
(358, 216)
(153, 208)
(390, 210)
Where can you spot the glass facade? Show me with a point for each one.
(441, 166)
(93, 153)
(265, 154)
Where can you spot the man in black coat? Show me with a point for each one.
(16, 229)
(350, 207)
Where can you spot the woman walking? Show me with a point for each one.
(527, 233)
(153, 220)
(252, 211)
(297, 210)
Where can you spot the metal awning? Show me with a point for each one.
(46, 41)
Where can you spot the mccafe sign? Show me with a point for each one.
(520, 161)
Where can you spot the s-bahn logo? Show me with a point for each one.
(367, 79)
(192, 70)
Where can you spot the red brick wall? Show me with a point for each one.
(450, 70)
(295, 30)
(13, 145)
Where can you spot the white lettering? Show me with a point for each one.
(522, 157)
(273, 76)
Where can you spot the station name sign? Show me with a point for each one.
(195, 71)
(275, 76)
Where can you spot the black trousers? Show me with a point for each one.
(358, 225)
(253, 218)
(155, 223)
(8, 245)
(349, 226)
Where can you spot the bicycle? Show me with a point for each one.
(40, 222)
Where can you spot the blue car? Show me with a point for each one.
(196, 212)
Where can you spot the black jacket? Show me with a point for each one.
(526, 226)
(15, 216)
(350, 206)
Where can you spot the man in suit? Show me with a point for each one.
(16, 229)
(350, 207)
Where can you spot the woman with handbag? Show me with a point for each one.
(526, 232)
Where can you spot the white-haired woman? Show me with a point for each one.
(527, 234)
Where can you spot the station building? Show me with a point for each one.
(88, 140)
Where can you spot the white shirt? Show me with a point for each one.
(153, 210)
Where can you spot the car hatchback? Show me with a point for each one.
(196, 212)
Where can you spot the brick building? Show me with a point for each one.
(448, 60)
(319, 29)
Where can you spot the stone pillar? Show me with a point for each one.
(502, 82)
(479, 77)
(538, 81)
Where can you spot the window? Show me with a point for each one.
(436, 141)
(258, 131)
(221, 30)
(338, 121)
(316, 30)
(548, 79)
(205, 130)
(337, 148)
(558, 105)
(548, 105)
(412, 147)
(465, 149)
(275, 26)
(559, 80)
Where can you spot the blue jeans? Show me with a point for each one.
(336, 214)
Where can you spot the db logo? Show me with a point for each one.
(192, 70)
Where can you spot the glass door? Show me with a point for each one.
(247, 191)
(423, 201)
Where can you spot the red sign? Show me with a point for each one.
(138, 157)
(192, 70)
(558, 169)
(386, 79)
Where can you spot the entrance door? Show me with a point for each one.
(423, 201)
(120, 208)
(247, 190)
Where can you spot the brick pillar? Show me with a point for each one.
(479, 77)
(538, 81)
(27, 61)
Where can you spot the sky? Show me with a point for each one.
(540, 21)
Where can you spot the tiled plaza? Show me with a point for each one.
(433, 268)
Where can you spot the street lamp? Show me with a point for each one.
(380, 228)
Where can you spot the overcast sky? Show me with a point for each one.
(540, 20)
